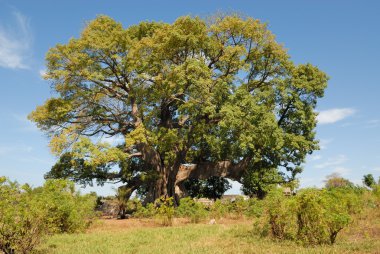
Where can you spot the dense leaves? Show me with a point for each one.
(212, 188)
(369, 180)
(312, 217)
(221, 98)
(27, 214)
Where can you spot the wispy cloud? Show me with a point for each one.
(25, 124)
(324, 142)
(6, 150)
(334, 115)
(315, 157)
(373, 123)
(332, 162)
(343, 171)
(15, 43)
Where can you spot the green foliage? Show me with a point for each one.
(165, 210)
(369, 180)
(376, 191)
(212, 188)
(68, 210)
(279, 220)
(336, 181)
(236, 209)
(22, 219)
(259, 182)
(255, 208)
(318, 219)
(148, 211)
(190, 209)
(27, 215)
(219, 209)
(190, 91)
(312, 217)
(122, 202)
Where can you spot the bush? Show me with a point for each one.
(145, 212)
(318, 219)
(312, 217)
(219, 209)
(255, 208)
(238, 207)
(22, 222)
(27, 215)
(191, 209)
(279, 220)
(165, 210)
(67, 210)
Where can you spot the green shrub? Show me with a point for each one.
(376, 191)
(190, 209)
(67, 210)
(312, 217)
(148, 211)
(321, 215)
(22, 222)
(165, 210)
(27, 215)
(219, 209)
(279, 220)
(255, 208)
(237, 208)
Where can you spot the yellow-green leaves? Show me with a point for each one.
(186, 91)
(138, 135)
(97, 154)
(55, 110)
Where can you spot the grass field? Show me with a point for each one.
(227, 236)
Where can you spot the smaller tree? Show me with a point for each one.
(122, 202)
(212, 188)
(22, 222)
(336, 181)
(369, 180)
(27, 215)
(258, 183)
(312, 217)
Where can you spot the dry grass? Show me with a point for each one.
(227, 236)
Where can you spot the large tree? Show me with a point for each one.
(191, 99)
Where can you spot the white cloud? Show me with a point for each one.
(25, 124)
(36, 159)
(315, 157)
(324, 142)
(333, 162)
(342, 171)
(15, 43)
(373, 123)
(334, 115)
(6, 150)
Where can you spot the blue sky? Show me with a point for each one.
(340, 37)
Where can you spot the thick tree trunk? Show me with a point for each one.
(169, 182)
(164, 186)
(156, 189)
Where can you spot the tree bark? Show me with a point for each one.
(170, 178)
(205, 170)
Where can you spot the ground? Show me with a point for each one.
(227, 236)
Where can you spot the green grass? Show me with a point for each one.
(199, 238)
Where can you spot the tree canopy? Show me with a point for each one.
(190, 99)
